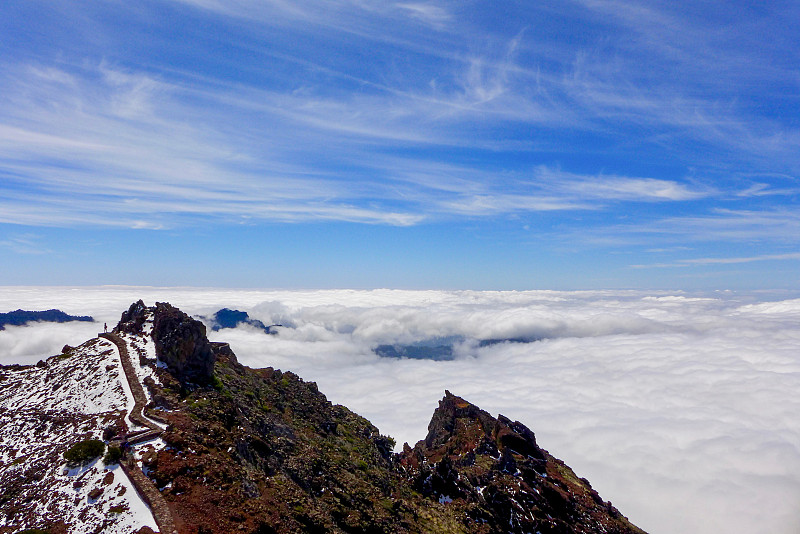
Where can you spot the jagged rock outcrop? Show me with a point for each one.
(181, 342)
(133, 318)
(495, 471)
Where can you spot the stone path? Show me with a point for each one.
(144, 486)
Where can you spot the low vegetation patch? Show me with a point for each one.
(85, 451)
(112, 456)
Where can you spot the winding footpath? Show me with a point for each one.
(144, 486)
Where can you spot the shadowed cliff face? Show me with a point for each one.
(181, 342)
(133, 318)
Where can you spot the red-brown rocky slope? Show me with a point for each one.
(260, 450)
(494, 471)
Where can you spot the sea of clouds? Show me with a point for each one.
(681, 409)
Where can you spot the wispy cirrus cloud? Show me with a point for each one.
(750, 259)
(765, 227)
(763, 190)
(133, 153)
(770, 225)
(610, 126)
(429, 12)
(116, 148)
(722, 261)
(380, 21)
(717, 64)
(611, 188)
(589, 89)
(24, 244)
(573, 194)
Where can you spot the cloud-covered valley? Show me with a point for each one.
(681, 409)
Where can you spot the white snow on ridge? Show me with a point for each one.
(44, 410)
(86, 381)
(118, 501)
(142, 450)
(142, 351)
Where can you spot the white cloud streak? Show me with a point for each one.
(24, 244)
(758, 228)
(117, 156)
(116, 148)
(750, 259)
(611, 188)
(723, 261)
(428, 12)
(664, 401)
(153, 147)
(730, 225)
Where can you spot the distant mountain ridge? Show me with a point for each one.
(260, 451)
(21, 317)
(227, 318)
(440, 348)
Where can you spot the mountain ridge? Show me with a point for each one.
(22, 317)
(263, 451)
(228, 318)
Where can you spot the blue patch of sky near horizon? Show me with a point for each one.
(400, 144)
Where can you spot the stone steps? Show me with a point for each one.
(144, 486)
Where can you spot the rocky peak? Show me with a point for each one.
(501, 477)
(453, 415)
(181, 342)
(133, 318)
(458, 426)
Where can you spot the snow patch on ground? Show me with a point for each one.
(44, 410)
(142, 350)
(118, 508)
(87, 381)
(146, 448)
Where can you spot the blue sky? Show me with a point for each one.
(414, 144)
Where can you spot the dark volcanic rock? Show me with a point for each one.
(21, 317)
(181, 343)
(416, 352)
(227, 318)
(443, 426)
(132, 320)
(496, 473)
(497, 341)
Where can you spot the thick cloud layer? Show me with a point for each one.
(680, 409)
